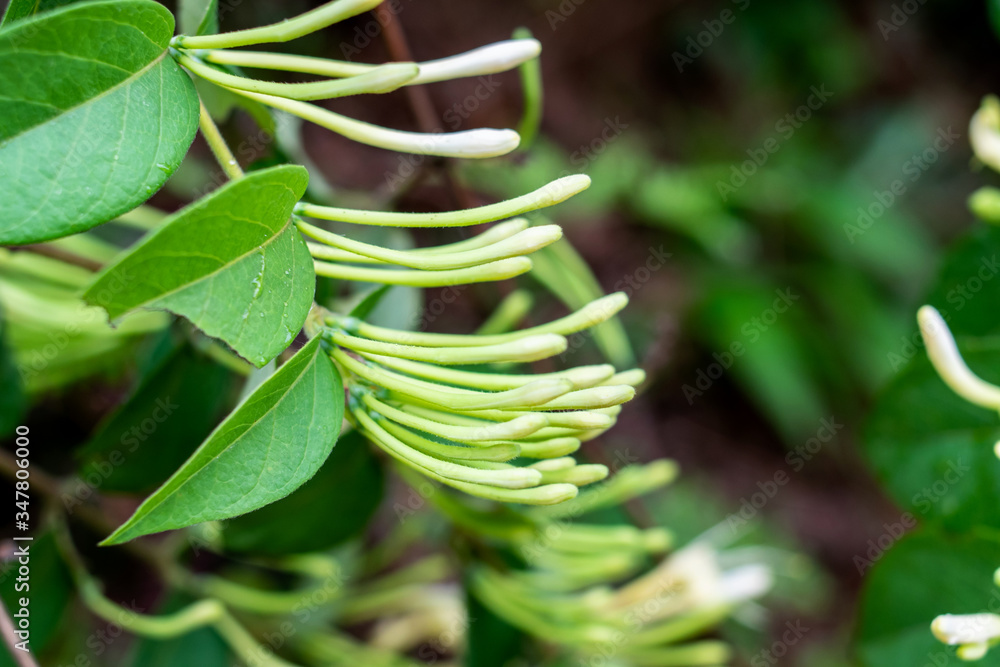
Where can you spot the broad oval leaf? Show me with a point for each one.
(94, 116)
(268, 447)
(932, 448)
(232, 263)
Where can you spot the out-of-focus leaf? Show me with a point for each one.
(752, 329)
(330, 508)
(268, 447)
(492, 642)
(170, 413)
(564, 273)
(934, 450)
(925, 574)
(199, 17)
(967, 288)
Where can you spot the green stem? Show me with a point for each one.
(311, 21)
(383, 79)
(218, 145)
(531, 87)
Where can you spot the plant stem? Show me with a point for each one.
(303, 24)
(218, 145)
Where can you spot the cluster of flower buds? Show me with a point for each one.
(568, 593)
(461, 427)
(498, 254)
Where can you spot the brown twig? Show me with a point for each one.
(63, 256)
(420, 101)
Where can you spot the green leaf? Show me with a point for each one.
(51, 589)
(492, 641)
(95, 114)
(351, 480)
(173, 409)
(199, 17)
(933, 449)
(21, 9)
(968, 284)
(232, 263)
(268, 447)
(925, 574)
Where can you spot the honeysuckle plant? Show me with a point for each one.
(99, 104)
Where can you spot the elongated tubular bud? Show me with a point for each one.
(628, 483)
(511, 478)
(490, 59)
(577, 419)
(382, 79)
(580, 475)
(948, 362)
(593, 313)
(496, 233)
(532, 348)
(560, 463)
(329, 254)
(547, 449)
(503, 452)
(632, 377)
(582, 377)
(466, 143)
(522, 243)
(589, 399)
(454, 397)
(548, 195)
(311, 21)
(489, 431)
(492, 271)
(584, 538)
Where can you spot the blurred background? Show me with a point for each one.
(774, 186)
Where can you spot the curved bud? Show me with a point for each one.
(948, 362)
(490, 59)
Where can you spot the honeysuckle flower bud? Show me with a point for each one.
(549, 195)
(954, 629)
(498, 57)
(947, 360)
(984, 132)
